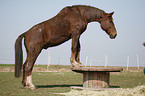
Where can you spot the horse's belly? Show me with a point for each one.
(55, 42)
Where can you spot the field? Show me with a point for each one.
(58, 79)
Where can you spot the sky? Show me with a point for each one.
(18, 16)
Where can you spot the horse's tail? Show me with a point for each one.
(18, 55)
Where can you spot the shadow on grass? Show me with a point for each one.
(51, 86)
(114, 86)
(65, 85)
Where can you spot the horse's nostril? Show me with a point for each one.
(113, 37)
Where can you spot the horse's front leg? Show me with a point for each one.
(78, 54)
(75, 52)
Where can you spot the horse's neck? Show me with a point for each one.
(90, 14)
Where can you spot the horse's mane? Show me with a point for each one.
(94, 10)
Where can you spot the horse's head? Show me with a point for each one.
(107, 25)
(143, 43)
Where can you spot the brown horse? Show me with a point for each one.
(69, 23)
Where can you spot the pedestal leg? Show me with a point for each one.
(96, 79)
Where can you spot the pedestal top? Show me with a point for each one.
(97, 69)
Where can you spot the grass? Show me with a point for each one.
(49, 83)
(46, 83)
(127, 79)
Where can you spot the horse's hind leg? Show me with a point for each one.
(32, 55)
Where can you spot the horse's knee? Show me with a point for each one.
(74, 50)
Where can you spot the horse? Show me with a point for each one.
(68, 24)
(144, 46)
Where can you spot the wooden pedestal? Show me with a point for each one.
(94, 77)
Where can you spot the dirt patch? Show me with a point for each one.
(41, 68)
(6, 69)
(137, 91)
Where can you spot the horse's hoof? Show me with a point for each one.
(75, 65)
(80, 64)
(32, 87)
(29, 87)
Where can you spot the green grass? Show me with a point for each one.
(7, 65)
(48, 83)
(127, 79)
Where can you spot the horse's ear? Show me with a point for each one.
(110, 14)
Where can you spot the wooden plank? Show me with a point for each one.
(108, 78)
(85, 79)
(99, 81)
(82, 69)
(94, 82)
(90, 80)
(103, 80)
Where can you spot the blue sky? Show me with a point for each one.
(17, 16)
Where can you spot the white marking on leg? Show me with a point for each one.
(29, 81)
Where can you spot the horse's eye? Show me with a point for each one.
(110, 21)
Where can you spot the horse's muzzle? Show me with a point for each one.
(113, 36)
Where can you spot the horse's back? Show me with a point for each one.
(56, 30)
(59, 29)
